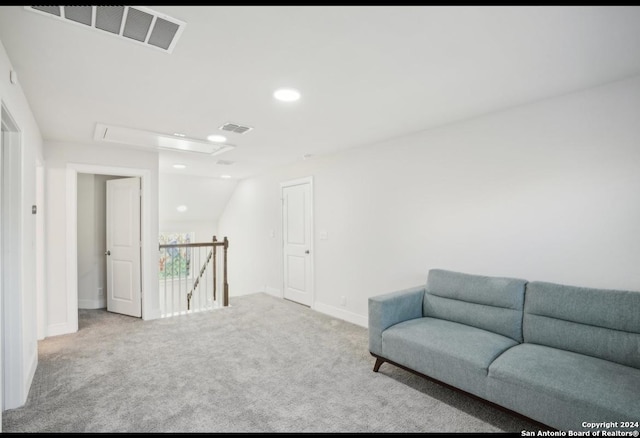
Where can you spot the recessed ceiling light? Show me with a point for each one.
(287, 94)
(179, 134)
(225, 176)
(217, 138)
(181, 208)
(179, 166)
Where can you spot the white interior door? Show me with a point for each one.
(124, 294)
(297, 232)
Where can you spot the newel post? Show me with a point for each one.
(214, 249)
(226, 284)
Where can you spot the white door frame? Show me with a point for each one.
(283, 185)
(12, 311)
(147, 256)
(1, 277)
(41, 292)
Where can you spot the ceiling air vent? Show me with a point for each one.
(234, 127)
(137, 24)
(224, 162)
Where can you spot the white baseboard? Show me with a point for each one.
(240, 294)
(273, 291)
(62, 328)
(342, 314)
(93, 303)
(153, 314)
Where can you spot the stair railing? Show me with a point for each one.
(176, 261)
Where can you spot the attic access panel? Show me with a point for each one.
(137, 24)
(157, 141)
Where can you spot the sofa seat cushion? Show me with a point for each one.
(454, 353)
(540, 381)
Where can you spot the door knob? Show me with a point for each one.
(306, 252)
(107, 253)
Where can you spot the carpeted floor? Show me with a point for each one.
(262, 365)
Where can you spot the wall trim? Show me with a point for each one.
(40, 237)
(13, 268)
(153, 314)
(346, 315)
(273, 291)
(72, 252)
(61, 328)
(92, 303)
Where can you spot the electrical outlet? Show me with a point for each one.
(343, 301)
(100, 292)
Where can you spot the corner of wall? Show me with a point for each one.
(61, 328)
(31, 366)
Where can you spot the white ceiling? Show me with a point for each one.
(366, 73)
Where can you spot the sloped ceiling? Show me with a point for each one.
(204, 197)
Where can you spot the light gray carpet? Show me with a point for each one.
(262, 365)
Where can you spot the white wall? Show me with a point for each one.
(204, 197)
(23, 335)
(92, 236)
(61, 160)
(547, 191)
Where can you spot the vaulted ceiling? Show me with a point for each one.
(365, 73)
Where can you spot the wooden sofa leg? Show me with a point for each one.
(379, 362)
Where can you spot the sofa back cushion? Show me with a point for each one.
(489, 303)
(597, 322)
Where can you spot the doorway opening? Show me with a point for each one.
(75, 177)
(92, 240)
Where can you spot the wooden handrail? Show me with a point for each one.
(191, 245)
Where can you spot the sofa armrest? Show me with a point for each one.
(391, 308)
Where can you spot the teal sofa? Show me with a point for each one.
(567, 357)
